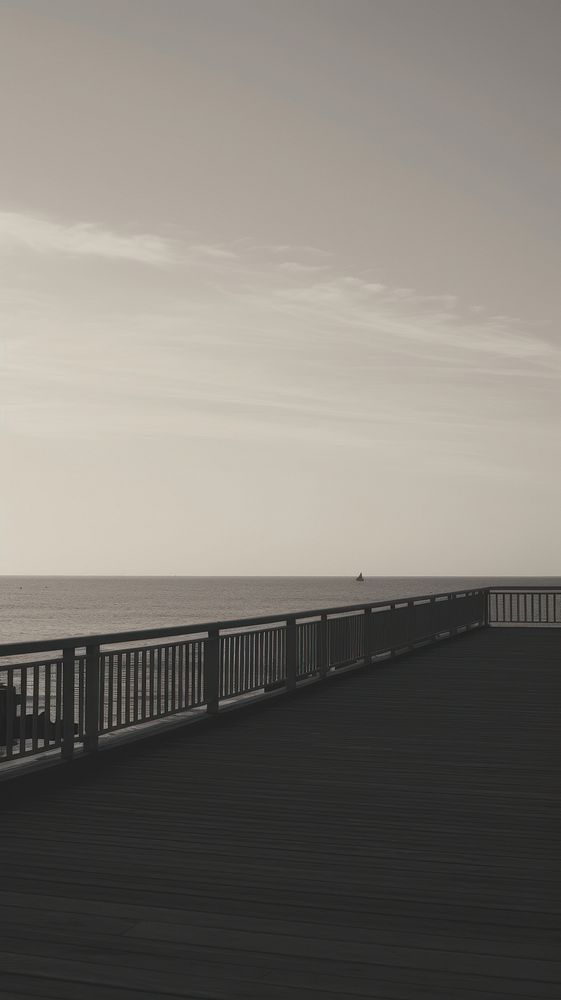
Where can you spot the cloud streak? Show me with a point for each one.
(23, 232)
(258, 344)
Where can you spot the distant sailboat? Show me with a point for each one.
(360, 578)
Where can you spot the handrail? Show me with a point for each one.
(90, 688)
(80, 641)
(555, 588)
(517, 606)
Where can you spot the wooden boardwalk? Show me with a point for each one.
(393, 833)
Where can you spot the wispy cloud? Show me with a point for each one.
(20, 231)
(297, 267)
(228, 340)
(206, 250)
(296, 248)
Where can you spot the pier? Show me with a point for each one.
(339, 803)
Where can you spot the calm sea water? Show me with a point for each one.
(43, 607)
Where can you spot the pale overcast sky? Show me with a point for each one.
(279, 286)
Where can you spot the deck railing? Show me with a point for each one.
(525, 606)
(80, 690)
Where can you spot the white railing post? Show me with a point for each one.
(92, 707)
(68, 680)
(212, 671)
(367, 636)
(291, 654)
(323, 647)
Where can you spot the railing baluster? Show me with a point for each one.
(135, 686)
(81, 696)
(10, 712)
(367, 636)
(92, 713)
(127, 659)
(173, 670)
(110, 698)
(35, 710)
(47, 731)
(58, 704)
(291, 654)
(212, 671)
(120, 658)
(101, 702)
(143, 685)
(180, 675)
(322, 647)
(22, 710)
(193, 675)
(68, 708)
(157, 654)
(149, 669)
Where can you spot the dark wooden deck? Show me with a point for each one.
(390, 834)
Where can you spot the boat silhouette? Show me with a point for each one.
(360, 578)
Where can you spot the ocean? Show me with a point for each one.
(44, 607)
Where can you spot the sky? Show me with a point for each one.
(279, 287)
